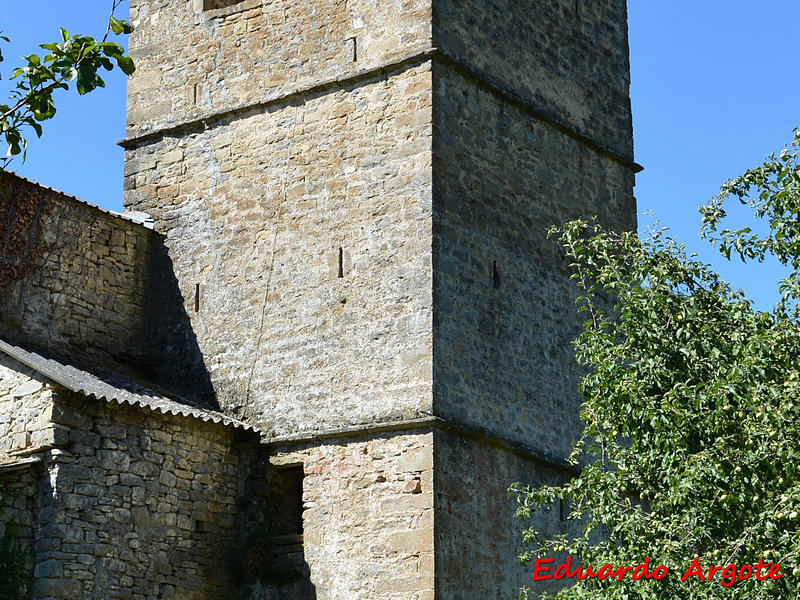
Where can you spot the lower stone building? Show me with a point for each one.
(119, 492)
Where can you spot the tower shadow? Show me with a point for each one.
(176, 362)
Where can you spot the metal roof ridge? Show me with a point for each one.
(91, 386)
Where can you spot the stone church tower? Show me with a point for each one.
(350, 200)
(355, 195)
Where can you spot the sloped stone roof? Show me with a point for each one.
(113, 388)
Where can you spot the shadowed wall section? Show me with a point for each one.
(82, 276)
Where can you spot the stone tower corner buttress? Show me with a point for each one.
(354, 197)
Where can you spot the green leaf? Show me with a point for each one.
(120, 26)
(15, 143)
(115, 25)
(126, 64)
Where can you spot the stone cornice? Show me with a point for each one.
(429, 422)
(208, 120)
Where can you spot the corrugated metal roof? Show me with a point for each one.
(114, 388)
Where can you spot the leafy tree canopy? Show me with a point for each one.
(76, 59)
(691, 406)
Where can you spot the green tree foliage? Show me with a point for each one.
(78, 59)
(772, 190)
(691, 406)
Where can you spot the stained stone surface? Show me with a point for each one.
(567, 58)
(369, 516)
(255, 211)
(86, 294)
(504, 312)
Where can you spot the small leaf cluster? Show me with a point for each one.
(77, 59)
(772, 191)
(691, 409)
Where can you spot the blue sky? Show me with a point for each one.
(714, 89)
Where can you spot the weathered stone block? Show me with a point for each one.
(48, 569)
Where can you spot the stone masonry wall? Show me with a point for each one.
(478, 541)
(257, 211)
(139, 506)
(26, 408)
(368, 519)
(569, 58)
(504, 306)
(192, 61)
(18, 498)
(85, 294)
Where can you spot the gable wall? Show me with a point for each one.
(85, 275)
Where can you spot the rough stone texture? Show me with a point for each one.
(352, 198)
(503, 359)
(26, 408)
(477, 538)
(143, 507)
(18, 507)
(254, 212)
(256, 206)
(568, 58)
(135, 504)
(128, 503)
(86, 294)
(191, 61)
(368, 519)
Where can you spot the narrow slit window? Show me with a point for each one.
(353, 43)
(341, 264)
(495, 276)
(196, 297)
